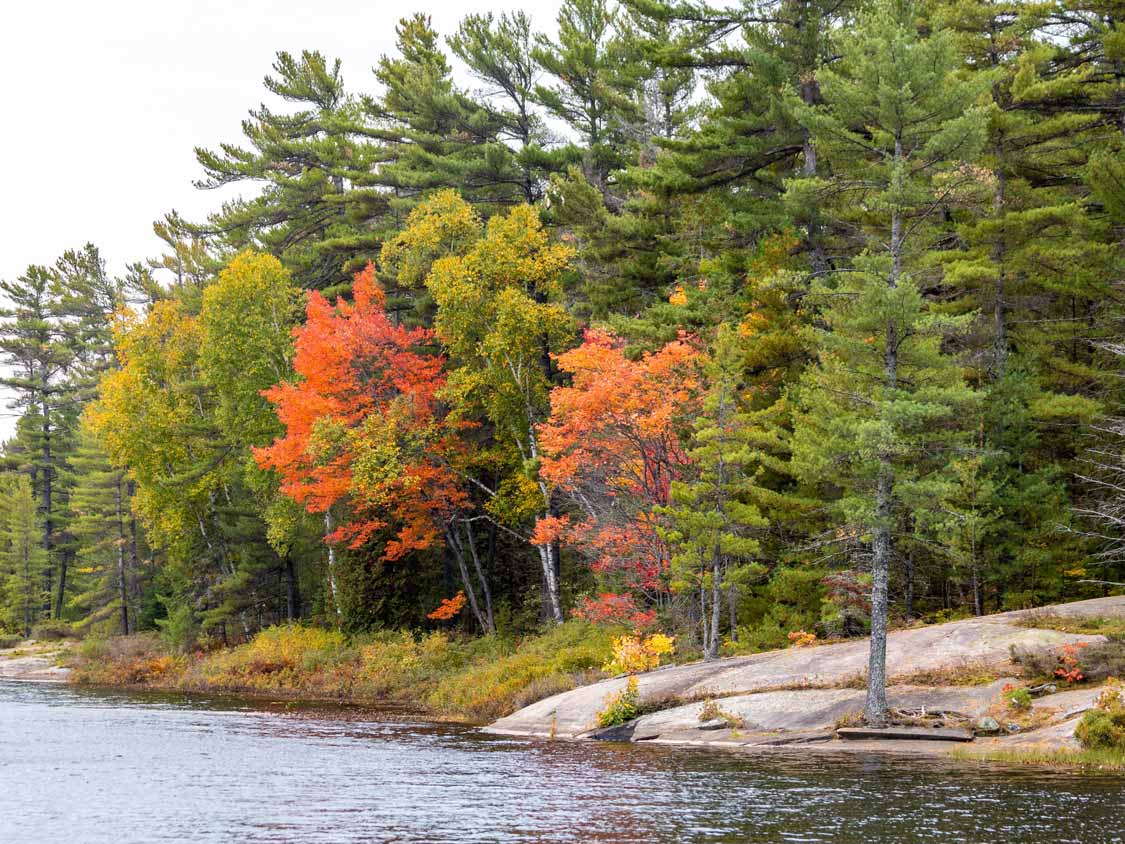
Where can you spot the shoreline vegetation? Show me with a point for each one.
(450, 677)
(477, 680)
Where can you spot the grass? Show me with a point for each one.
(1090, 760)
(1088, 626)
(964, 673)
(468, 679)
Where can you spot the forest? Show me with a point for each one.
(748, 324)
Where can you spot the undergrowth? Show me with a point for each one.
(467, 678)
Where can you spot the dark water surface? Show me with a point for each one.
(82, 766)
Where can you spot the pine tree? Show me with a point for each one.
(40, 357)
(881, 409)
(22, 559)
(591, 93)
(316, 205)
(714, 514)
(498, 53)
(438, 137)
(108, 557)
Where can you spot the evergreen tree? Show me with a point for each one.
(22, 593)
(108, 556)
(438, 137)
(316, 207)
(498, 53)
(40, 357)
(713, 514)
(592, 93)
(881, 410)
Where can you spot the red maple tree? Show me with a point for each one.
(362, 430)
(612, 446)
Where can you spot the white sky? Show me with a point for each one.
(104, 102)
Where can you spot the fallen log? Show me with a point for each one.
(904, 733)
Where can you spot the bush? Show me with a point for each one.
(476, 679)
(1019, 700)
(137, 660)
(289, 657)
(1103, 728)
(7, 641)
(49, 631)
(496, 679)
(622, 707)
(1074, 663)
(179, 629)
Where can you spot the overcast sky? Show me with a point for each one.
(104, 102)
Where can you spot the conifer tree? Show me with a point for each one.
(315, 207)
(40, 358)
(592, 93)
(438, 137)
(108, 558)
(881, 409)
(22, 559)
(714, 513)
(498, 53)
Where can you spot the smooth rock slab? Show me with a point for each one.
(966, 645)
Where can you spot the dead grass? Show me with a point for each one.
(1082, 760)
(1091, 626)
(964, 673)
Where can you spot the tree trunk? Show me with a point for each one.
(329, 528)
(47, 502)
(60, 594)
(732, 606)
(486, 591)
(875, 709)
(547, 560)
(711, 647)
(457, 549)
(122, 582)
(909, 567)
(999, 248)
(292, 595)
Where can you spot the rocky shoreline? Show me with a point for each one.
(802, 696)
(32, 661)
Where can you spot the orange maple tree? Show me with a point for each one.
(612, 445)
(362, 428)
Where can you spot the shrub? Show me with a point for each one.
(622, 707)
(1019, 700)
(7, 641)
(1103, 727)
(846, 610)
(477, 679)
(497, 679)
(711, 711)
(53, 631)
(802, 639)
(1075, 663)
(633, 653)
(288, 657)
(179, 629)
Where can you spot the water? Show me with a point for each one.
(80, 766)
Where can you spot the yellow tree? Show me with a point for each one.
(500, 317)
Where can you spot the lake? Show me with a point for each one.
(80, 765)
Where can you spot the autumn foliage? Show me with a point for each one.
(612, 446)
(361, 424)
(448, 608)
